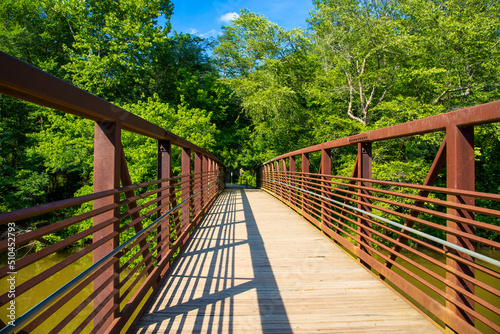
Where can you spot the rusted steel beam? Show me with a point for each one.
(460, 174)
(446, 191)
(428, 302)
(164, 171)
(284, 179)
(61, 302)
(351, 182)
(150, 281)
(126, 181)
(422, 197)
(107, 160)
(476, 115)
(366, 201)
(197, 180)
(364, 172)
(17, 215)
(326, 168)
(293, 175)
(21, 80)
(205, 180)
(277, 188)
(304, 168)
(186, 190)
(431, 178)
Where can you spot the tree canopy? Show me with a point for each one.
(256, 91)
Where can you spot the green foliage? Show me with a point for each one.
(141, 152)
(114, 41)
(361, 47)
(361, 65)
(268, 68)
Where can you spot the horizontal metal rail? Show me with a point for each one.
(403, 227)
(21, 80)
(476, 115)
(30, 314)
(451, 284)
(120, 210)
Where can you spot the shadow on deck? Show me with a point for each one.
(255, 266)
(201, 291)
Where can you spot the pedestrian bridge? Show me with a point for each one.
(255, 266)
(304, 251)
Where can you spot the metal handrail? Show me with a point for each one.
(31, 313)
(47, 90)
(409, 229)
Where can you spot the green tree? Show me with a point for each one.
(114, 43)
(268, 68)
(456, 60)
(361, 47)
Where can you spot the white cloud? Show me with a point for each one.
(228, 17)
(192, 31)
(211, 33)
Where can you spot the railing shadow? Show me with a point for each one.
(202, 290)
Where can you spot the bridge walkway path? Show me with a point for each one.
(255, 266)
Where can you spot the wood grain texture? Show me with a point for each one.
(255, 266)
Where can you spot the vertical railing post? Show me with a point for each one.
(258, 177)
(107, 159)
(210, 178)
(204, 197)
(292, 180)
(197, 181)
(164, 172)
(364, 172)
(214, 177)
(326, 168)
(277, 177)
(272, 186)
(460, 174)
(269, 177)
(284, 179)
(185, 186)
(304, 168)
(265, 176)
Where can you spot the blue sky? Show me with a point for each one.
(205, 17)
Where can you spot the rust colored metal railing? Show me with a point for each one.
(136, 229)
(440, 271)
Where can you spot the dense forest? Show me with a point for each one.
(254, 92)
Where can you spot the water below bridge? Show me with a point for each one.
(255, 266)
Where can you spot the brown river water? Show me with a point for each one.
(54, 282)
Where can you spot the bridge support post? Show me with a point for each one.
(197, 181)
(264, 177)
(364, 172)
(186, 187)
(284, 179)
(292, 180)
(277, 178)
(107, 159)
(212, 177)
(204, 182)
(460, 175)
(270, 176)
(326, 169)
(304, 168)
(269, 171)
(164, 171)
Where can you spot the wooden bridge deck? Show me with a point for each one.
(255, 266)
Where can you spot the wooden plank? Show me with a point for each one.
(255, 266)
